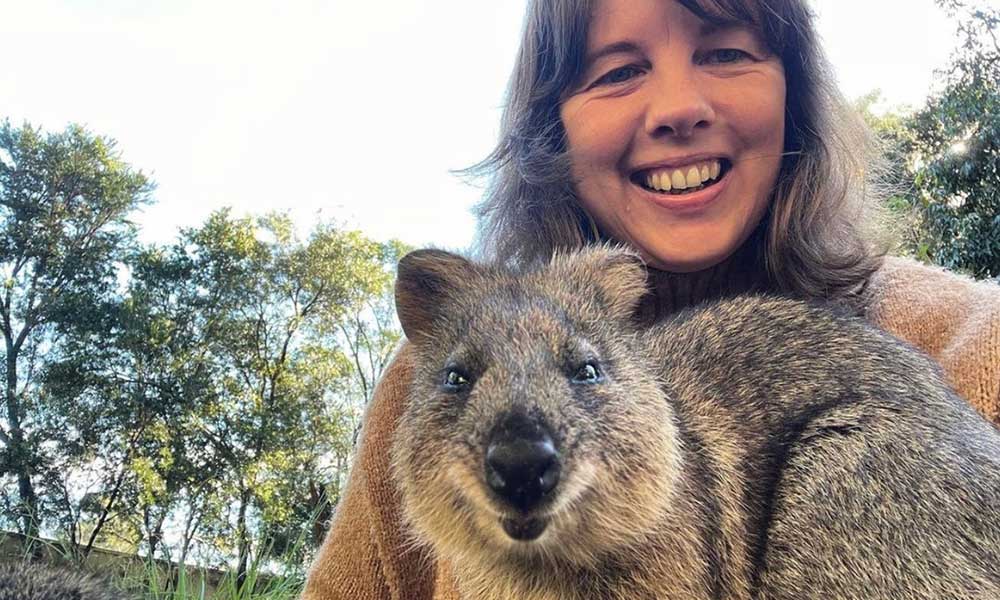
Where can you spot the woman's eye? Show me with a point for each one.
(588, 373)
(724, 56)
(619, 75)
(454, 380)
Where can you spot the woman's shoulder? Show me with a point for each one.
(383, 411)
(906, 290)
(386, 407)
(953, 318)
(399, 372)
(367, 554)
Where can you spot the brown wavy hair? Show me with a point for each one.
(821, 237)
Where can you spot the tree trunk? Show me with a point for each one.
(190, 528)
(154, 529)
(17, 451)
(321, 510)
(106, 510)
(243, 538)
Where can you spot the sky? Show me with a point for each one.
(355, 112)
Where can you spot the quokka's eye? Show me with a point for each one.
(588, 373)
(454, 380)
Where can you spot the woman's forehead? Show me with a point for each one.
(612, 21)
(714, 12)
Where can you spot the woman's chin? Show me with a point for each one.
(685, 262)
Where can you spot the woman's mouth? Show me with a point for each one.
(685, 180)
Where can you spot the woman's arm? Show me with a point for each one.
(365, 555)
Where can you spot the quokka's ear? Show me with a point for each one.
(423, 280)
(617, 275)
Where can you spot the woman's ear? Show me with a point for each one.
(424, 280)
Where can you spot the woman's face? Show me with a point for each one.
(670, 102)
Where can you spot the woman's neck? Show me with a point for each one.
(742, 272)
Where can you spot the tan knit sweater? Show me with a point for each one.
(366, 556)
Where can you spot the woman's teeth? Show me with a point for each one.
(681, 180)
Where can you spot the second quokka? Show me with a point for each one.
(753, 448)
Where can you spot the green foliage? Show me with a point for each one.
(896, 140)
(277, 419)
(211, 387)
(232, 399)
(65, 199)
(157, 583)
(955, 149)
(125, 388)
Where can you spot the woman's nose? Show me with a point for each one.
(678, 105)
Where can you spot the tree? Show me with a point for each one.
(368, 333)
(955, 155)
(122, 389)
(221, 390)
(65, 199)
(896, 141)
(215, 383)
(276, 372)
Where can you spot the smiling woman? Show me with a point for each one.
(708, 136)
(605, 94)
(676, 130)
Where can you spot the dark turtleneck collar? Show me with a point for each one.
(742, 272)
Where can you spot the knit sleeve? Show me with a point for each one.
(365, 555)
(952, 318)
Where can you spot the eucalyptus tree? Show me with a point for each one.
(274, 420)
(126, 387)
(65, 201)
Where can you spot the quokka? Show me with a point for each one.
(35, 582)
(756, 447)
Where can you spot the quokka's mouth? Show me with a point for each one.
(524, 529)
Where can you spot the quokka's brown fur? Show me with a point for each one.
(36, 582)
(757, 447)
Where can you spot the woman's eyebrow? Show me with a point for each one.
(622, 47)
(712, 27)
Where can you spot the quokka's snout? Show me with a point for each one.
(758, 447)
(521, 466)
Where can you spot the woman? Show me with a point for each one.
(708, 136)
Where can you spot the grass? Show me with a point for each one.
(155, 583)
(157, 580)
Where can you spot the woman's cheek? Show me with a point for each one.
(597, 132)
(761, 113)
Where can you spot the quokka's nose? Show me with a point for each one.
(522, 464)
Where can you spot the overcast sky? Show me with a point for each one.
(345, 110)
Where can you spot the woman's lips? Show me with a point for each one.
(687, 201)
